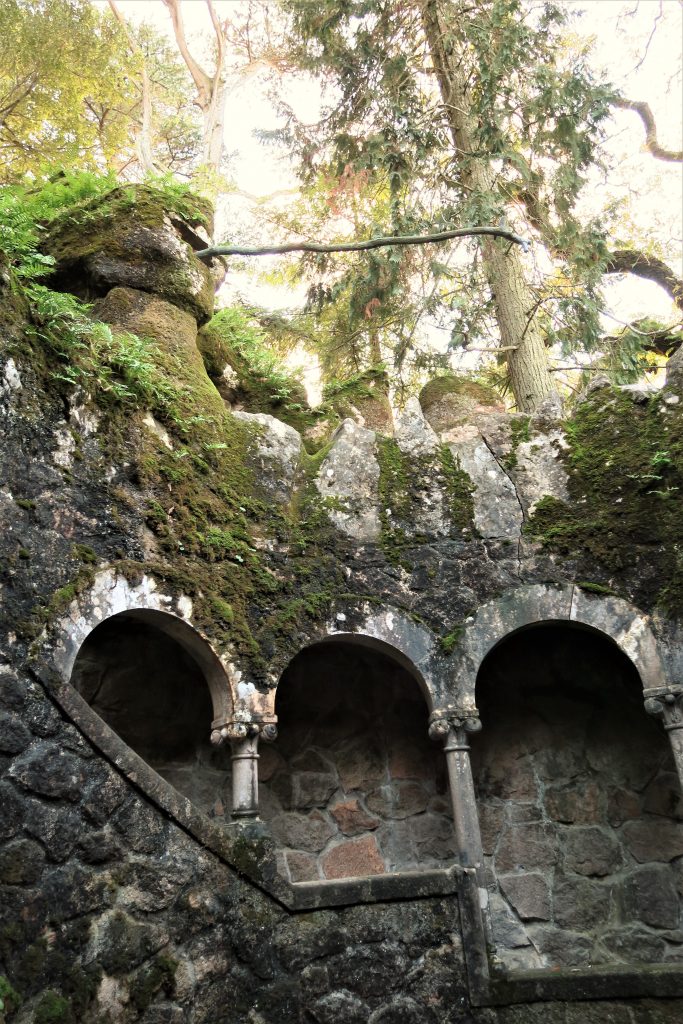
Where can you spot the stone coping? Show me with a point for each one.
(608, 981)
(246, 846)
(399, 885)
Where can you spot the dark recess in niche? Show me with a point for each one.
(579, 803)
(151, 692)
(353, 785)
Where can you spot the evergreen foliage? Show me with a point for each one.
(387, 157)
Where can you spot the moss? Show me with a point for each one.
(594, 588)
(10, 1000)
(402, 486)
(53, 1009)
(85, 554)
(25, 503)
(159, 976)
(453, 384)
(110, 223)
(394, 499)
(623, 524)
(76, 231)
(62, 598)
(451, 640)
(263, 384)
(520, 433)
(366, 392)
(459, 491)
(24, 553)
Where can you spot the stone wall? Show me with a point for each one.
(353, 785)
(113, 909)
(582, 819)
(109, 912)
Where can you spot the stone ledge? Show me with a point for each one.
(398, 885)
(614, 981)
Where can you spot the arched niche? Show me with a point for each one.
(625, 625)
(353, 786)
(579, 803)
(154, 681)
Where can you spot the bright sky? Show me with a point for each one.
(637, 46)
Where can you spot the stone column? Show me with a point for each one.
(453, 726)
(666, 703)
(244, 737)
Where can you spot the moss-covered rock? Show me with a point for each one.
(129, 237)
(622, 527)
(451, 399)
(247, 374)
(364, 398)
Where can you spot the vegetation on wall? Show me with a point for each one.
(623, 519)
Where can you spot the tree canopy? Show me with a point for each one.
(437, 116)
(66, 86)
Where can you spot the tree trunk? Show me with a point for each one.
(214, 123)
(514, 303)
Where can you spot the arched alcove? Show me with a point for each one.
(353, 785)
(579, 802)
(149, 677)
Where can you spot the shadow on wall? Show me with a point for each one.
(353, 785)
(580, 806)
(152, 693)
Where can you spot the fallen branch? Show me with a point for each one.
(370, 243)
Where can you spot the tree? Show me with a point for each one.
(164, 126)
(468, 112)
(65, 85)
(237, 56)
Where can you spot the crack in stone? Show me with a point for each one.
(519, 501)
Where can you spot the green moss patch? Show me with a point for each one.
(157, 977)
(623, 524)
(453, 384)
(520, 432)
(10, 1000)
(403, 484)
(53, 1009)
(263, 384)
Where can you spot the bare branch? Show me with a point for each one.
(632, 261)
(370, 243)
(143, 142)
(647, 117)
(219, 36)
(200, 78)
(652, 35)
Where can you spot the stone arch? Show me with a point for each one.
(613, 617)
(393, 632)
(578, 797)
(112, 595)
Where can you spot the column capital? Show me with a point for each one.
(453, 716)
(666, 702)
(244, 726)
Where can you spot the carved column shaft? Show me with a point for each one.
(244, 737)
(453, 727)
(465, 816)
(666, 703)
(245, 777)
